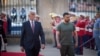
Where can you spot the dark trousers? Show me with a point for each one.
(90, 44)
(32, 52)
(67, 50)
(97, 42)
(85, 39)
(79, 49)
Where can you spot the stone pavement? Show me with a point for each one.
(50, 51)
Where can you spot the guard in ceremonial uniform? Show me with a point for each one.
(80, 28)
(91, 44)
(86, 37)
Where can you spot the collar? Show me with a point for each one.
(31, 21)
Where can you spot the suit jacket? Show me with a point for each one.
(30, 39)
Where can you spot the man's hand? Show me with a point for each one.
(43, 46)
(58, 45)
(76, 39)
(22, 49)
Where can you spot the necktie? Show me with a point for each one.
(32, 26)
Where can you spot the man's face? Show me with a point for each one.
(32, 16)
(67, 18)
(58, 19)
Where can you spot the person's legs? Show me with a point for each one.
(89, 43)
(28, 52)
(71, 50)
(36, 51)
(85, 38)
(92, 43)
(97, 41)
(79, 49)
(63, 50)
(32, 52)
(16, 18)
(99, 53)
(4, 45)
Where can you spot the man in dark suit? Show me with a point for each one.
(30, 41)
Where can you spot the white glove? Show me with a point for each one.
(77, 29)
(90, 30)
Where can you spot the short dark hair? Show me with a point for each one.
(66, 13)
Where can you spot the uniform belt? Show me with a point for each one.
(82, 28)
(78, 29)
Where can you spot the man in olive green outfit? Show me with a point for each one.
(64, 36)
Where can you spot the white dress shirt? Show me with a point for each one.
(31, 23)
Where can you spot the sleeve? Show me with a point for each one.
(58, 28)
(22, 35)
(42, 35)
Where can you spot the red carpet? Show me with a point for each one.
(13, 54)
